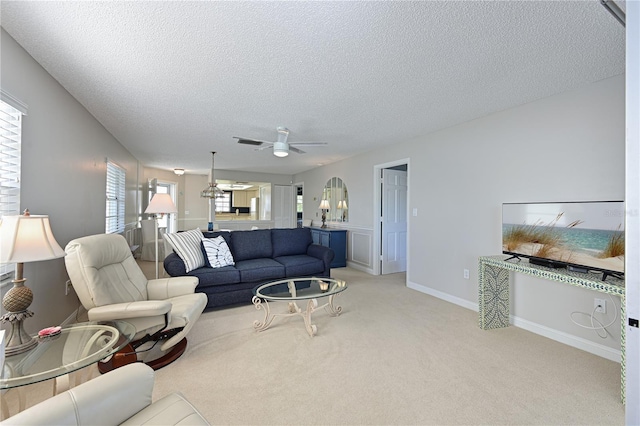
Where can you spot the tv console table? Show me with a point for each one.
(493, 297)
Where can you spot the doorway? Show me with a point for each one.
(299, 203)
(391, 199)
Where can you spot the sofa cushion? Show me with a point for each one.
(259, 269)
(251, 244)
(287, 242)
(217, 251)
(216, 276)
(187, 245)
(301, 265)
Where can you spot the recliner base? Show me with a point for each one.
(127, 355)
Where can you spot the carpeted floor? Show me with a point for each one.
(395, 356)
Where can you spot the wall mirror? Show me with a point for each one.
(335, 192)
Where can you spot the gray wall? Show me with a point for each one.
(569, 147)
(63, 173)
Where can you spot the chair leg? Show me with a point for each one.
(170, 356)
(127, 356)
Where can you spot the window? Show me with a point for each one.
(115, 198)
(10, 141)
(223, 203)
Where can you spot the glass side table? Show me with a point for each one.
(55, 357)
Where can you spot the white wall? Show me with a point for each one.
(63, 173)
(568, 147)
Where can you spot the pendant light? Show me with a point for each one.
(212, 191)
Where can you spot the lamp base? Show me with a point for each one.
(18, 340)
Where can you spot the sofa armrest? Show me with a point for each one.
(326, 254)
(174, 265)
(108, 399)
(130, 310)
(165, 288)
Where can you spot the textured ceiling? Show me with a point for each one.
(173, 81)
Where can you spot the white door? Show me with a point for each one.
(394, 221)
(283, 206)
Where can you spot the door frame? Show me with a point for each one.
(295, 200)
(377, 205)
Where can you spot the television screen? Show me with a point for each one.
(586, 235)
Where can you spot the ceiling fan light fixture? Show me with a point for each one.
(280, 149)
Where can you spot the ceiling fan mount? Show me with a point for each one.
(280, 147)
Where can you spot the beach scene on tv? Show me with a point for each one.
(585, 234)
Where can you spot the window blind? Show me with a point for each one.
(115, 198)
(10, 142)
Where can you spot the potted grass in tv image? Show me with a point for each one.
(581, 236)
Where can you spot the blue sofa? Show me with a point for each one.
(260, 256)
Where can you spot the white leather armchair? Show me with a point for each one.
(111, 286)
(122, 396)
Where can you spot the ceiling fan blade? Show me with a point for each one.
(294, 149)
(309, 143)
(246, 141)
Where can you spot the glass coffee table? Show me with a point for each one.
(54, 357)
(293, 290)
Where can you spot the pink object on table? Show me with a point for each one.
(49, 331)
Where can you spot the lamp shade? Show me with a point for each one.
(161, 203)
(324, 205)
(27, 239)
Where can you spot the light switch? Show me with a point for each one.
(415, 212)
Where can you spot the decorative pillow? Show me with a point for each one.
(218, 252)
(187, 246)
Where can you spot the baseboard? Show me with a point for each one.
(71, 318)
(568, 339)
(79, 314)
(444, 296)
(559, 336)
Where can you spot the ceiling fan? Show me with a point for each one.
(281, 147)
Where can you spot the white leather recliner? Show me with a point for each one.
(111, 286)
(122, 396)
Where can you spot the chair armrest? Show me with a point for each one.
(109, 399)
(123, 311)
(165, 288)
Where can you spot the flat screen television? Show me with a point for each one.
(583, 236)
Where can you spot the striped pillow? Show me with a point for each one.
(218, 252)
(188, 246)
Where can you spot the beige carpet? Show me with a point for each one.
(395, 356)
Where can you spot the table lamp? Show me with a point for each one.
(342, 205)
(160, 204)
(23, 238)
(324, 206)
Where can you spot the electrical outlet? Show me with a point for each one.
(600, 305)
(466, 274)
(67, 287)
